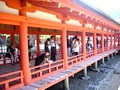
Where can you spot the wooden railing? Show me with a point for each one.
(44, 70)
(15, 79)
(11, 80)
(90, 53)
(105, 48)
(4, 61)
(99, 51)
(75, 60)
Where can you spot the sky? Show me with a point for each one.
(110, 7)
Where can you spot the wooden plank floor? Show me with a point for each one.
(53, 79)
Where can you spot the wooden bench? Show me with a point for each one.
(55, 78)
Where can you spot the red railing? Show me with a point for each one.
(110, 47)
(33, 56)
(11, 80)
(105, 48)
(75, 60)
(90, 53)
(4, 61)
(99, 51)
(44, 70)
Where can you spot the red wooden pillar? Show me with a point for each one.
(24, 51)
(118, 40)
(111, 42)
(95, 43)
(37, 43)
(12, 38)
(114, 40)
(107, 37)
(102, 42)
(84, 44)
(64, 47)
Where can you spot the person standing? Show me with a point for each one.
(53, 48)
(68, 47)
(29, 47)
(75, 47)
(47, 43)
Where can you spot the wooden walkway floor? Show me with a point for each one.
(55, 78)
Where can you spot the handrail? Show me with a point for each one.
(46, 69)
(75, 59)
(99, 50)
(90, 53)
(18, 75)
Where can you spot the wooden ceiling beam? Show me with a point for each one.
(44, 4)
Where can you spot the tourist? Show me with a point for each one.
(43, 58)
(11, 53)
(75, 46)
(29, 48)
(68, 47)
(53, 48)
(47, 44)
(89, 44)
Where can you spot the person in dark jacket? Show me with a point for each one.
(53, 48)
(43, 58)
(47, 43)
(29, 48)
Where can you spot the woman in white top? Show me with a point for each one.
(75, 47)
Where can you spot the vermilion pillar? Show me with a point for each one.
(107, 42)
(118, 40)
(111, 42)
(84, 44)
(24, 51)
(102, 41)
(12, 37)
(94, 43)
(37, 43)
(64, 47)
(114, 41)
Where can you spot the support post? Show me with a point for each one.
(111, 44)
(112, 56)
(115, 53)
(96, 69)
(84, 45)
(37, 42)
(115, 41)
(95, 65)
(103, 61)
(24, 61)
(66, 84)
(108, 57)
(64, 45)
(118, 40)
(85, 76)
(102, 43)
(64, 48)
(85, 72)
(107, 42)
(94, 43)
